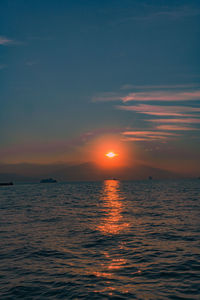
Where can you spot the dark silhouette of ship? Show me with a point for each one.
(150, 177)
(48, 180)
(6, 183)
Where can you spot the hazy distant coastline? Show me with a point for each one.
(87, 171)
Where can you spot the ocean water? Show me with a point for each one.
(100, 240)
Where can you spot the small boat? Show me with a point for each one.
(6, 183)
(48, 180)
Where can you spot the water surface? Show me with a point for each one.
(100, 240)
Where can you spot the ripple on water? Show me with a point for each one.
(120, 240)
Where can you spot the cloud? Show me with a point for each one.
(159, 110)
(132, 135)
(6, 41)
(176, 120)
(152, 95)
(171, 117)
(162, 96)
(137, 139)
(180, 12)
(166, 12)
(146, 133)
(147, 87)
(175, 128)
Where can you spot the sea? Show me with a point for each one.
(100, 240)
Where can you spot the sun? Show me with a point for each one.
(111, 154)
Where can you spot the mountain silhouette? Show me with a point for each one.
(80, 172)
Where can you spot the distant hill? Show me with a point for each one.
(85, 171)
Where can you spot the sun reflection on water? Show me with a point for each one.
(113, 207)
(112, 224)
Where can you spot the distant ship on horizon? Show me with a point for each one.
(6, 183)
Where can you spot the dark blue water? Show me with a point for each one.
(106, 240)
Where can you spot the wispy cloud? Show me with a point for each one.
(162, 96)
(176, 120)
(137, 139)
(159, 87)
(152, 13)
(147, 136)
(146, 133)
(182, 11)
(175, 128)
(159, 110)
(144, 96)
(171, 117)
(6, 41)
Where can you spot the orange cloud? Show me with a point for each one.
(140, 139)
(159, 110)
(162, 96)
(175, 127)
(147, 135)
(186, 121)
(155, 93)
(137, 139)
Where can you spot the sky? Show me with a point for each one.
(77, 74)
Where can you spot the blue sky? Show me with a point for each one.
(76, 69)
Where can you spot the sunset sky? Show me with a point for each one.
(82, 78)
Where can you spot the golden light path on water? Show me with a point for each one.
(112, 224)
(113, 206)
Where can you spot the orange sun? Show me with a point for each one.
(111, 154)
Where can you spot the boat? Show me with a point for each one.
(48, 180)
(6, 183)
